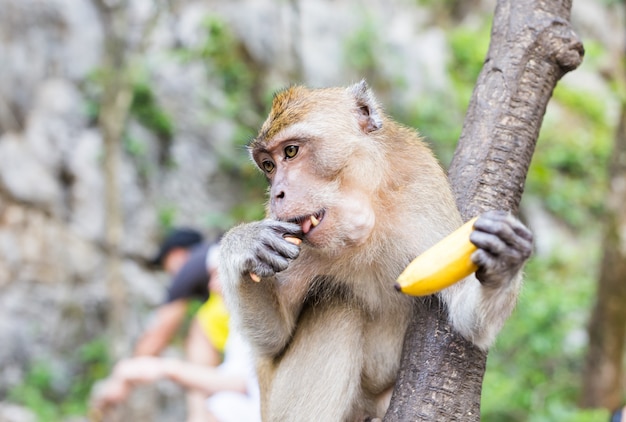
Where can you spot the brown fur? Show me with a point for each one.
(328, 330)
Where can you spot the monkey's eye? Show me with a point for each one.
(268, 166)
(291, 151)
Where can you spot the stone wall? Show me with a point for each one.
(53, 293)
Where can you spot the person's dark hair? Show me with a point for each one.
(182, 237)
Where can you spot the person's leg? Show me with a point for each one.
(199, 350)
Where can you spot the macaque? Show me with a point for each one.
(353, 198)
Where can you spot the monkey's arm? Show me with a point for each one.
(478, 309)
(266, 315)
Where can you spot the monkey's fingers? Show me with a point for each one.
(265, 263)
(496, 259)
(505, 226)
(503, 236)
(274, 245)
(489, 242)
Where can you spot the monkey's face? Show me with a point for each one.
(331, 211)
(310, 159)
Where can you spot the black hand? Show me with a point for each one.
(268, 252)
(504, 244)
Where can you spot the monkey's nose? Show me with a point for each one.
(280, 195)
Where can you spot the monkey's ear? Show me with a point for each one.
(367, 107)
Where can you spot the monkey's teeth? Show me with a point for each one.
(308, 223)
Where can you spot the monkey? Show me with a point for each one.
(353, 197)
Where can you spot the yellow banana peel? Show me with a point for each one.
(440, 266)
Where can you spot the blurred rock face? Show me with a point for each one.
(54, 297)
(52, 210)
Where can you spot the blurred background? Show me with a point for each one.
(121, 119)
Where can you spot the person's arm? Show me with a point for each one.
(146, 369)
(205, 379)
(189, 281)
(158, 335)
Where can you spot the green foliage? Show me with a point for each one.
(218, 50)
(147, 111)
(36, 393)
(135, 146)
(145, 108)
(166, 216)
(40, 390)
(569, 166)
(439, 116)
(95, 365)
(439, 120)
(469, 48)
(534, 369)
(227, 62)
(365, 54)
(92, 87)
(442, 4)
(144, 105)
(360, 49)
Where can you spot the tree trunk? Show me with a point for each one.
(532, 47)
(114, 111)
(113, 114)
(114, 108)
(602, 378)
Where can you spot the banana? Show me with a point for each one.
(440, 266)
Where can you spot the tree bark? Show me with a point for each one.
(603, 374)
(532, 47)
(114, 112)
(114, 108)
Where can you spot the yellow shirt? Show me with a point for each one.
(213, 318)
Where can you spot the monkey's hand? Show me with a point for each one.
(264, 248)
(504, 244)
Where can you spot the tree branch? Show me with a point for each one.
(114, 111)
(532, 47)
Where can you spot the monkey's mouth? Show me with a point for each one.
(309, 222)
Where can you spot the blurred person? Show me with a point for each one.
(184, 256)
(229, 392)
